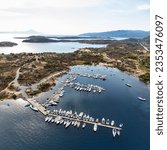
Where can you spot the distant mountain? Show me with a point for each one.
(119, 33)
(22, 32)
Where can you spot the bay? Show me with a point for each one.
(59, 47)
(23, 129)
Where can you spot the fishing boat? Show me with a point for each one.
(114, 132)
(141, 98)
(33, 108)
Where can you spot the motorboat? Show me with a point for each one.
(107, 122)
(46, 119)
(78, 124)
(121, 125)
(72, 123)
(50, 118)
(141, 98)
(84, 125)
(114, 132)
(97, 120)
(68, 123)
(61, 121)
(33, 108)
(103, 121)
(75, 123)
(65, 121)
(53, 120)
(112, 122)
(95, 127)
(118, 132)
(129, 85)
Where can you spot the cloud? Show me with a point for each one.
(73, 16)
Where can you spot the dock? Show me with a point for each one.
(38, 106)
(88, 122)
(43, 110)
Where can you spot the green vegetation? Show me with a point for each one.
(44, 87)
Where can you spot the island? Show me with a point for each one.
(7, 44)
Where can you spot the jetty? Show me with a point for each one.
(94, 76)
(37, 105)
(85, 121)
(70, 116)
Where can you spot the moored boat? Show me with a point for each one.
(95, 127)
(118, 132)
(129, 85)
(107, 122)
(121, 125)
(46, 119)
(78, 124)
(112, 122)
(103, 121)
(33, 108)
(114, 132)
(84, 125)
(141, 98)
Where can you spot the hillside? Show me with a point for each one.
(119, 33)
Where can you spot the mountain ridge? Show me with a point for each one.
(119, 33)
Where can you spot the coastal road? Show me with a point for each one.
(144, 47)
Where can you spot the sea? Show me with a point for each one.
(59, 47)
(24, 129)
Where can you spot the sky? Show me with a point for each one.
(74, 16)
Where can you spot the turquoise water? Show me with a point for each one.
(23, 129)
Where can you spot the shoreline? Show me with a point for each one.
(23, 89)
(53, 77)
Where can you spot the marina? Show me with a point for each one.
(76, 119)
(69, 118)
(111, 107)
(60, 116)
(94, 76)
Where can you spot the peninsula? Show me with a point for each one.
(19, 71)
